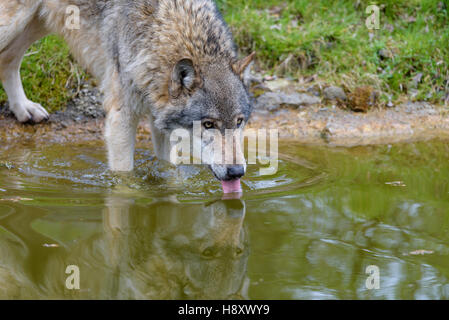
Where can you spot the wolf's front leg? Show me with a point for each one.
(10, 61)
(161, 141)
(120, 135)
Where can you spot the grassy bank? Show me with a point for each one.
(49, 74)
(407, 56)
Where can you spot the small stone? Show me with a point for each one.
(334, 93)
(274, 100)
(315, 90)
(419, 108)
(278, 84)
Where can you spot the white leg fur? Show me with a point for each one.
(161, 142)
(24, 109)
(10, 61)
(120, 135)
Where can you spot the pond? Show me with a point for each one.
(308, 232)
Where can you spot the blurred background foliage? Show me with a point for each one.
(324, 40)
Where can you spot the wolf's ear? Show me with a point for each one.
(183, 78)
(240, 66)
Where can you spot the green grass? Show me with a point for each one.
(330, 39)
(300, 38)
(49, 73)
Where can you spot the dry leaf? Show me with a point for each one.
(16, 199)
(396, 184)
(421, 252)
(50, 245)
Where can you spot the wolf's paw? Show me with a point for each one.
(29, 111)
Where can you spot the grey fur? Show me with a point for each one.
(174, 60)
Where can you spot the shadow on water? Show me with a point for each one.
(307, 232)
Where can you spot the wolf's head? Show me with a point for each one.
(213, 100)
(181, 60)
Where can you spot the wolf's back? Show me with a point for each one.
(194, 28)
(14, 17)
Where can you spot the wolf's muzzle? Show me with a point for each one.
(235, 172)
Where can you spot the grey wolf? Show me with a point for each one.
(174, 61)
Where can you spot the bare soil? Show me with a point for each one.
(323, 123)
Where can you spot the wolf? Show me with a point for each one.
(172, 61)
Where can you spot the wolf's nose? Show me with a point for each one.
(236, 172)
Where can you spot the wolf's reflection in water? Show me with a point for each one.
(178, 250)
(165, 250)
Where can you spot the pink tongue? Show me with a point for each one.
(231, 186)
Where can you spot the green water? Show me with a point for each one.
(308, 232)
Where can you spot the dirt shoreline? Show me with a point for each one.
(333, 126)
(310, 121)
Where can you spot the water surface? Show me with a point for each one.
(308, 232)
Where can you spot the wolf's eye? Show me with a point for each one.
(208, 124)
(239, 122)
